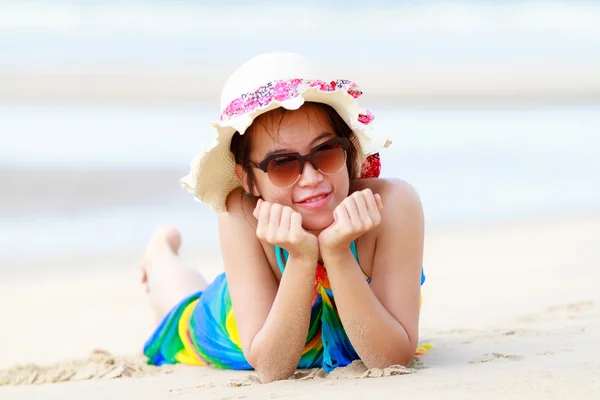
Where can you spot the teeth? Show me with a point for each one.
(313, 199)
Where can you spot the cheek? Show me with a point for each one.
(342, 185)
(272, 193)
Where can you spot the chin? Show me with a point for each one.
(317, 223)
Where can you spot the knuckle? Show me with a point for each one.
(280, 238)
(377, 219)
(293, 239)
(270, 237)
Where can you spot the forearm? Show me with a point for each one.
(378, 338)
(278, 346)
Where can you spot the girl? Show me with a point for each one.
(322, 263)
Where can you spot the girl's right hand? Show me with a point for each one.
(282, 226)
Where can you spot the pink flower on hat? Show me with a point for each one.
(365, 117)
(235, 107)
(250, 104)
(281, 91)
(354, 91)
(371, 167)
(328, 87)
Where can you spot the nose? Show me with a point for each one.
(309, 176)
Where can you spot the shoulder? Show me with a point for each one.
(397, 195)
(237, 232)
(239, 209)
(402, 218)
(238, 221)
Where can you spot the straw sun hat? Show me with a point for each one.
(263, 83)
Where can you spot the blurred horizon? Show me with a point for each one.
(493, 108)
(136, 50)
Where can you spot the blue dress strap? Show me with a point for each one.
(282, 255)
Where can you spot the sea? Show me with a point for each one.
(471, 163)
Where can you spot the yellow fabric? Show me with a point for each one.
(187, 355)
(232, 329)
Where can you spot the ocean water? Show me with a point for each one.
(471, 165)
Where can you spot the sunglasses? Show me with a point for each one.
(284, 170)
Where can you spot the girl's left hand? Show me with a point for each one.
(356, 215)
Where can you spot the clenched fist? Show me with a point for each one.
(356, 215)
(282, 226)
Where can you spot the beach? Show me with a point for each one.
(493, 111)
(511, 309)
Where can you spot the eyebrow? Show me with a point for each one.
(280, 150)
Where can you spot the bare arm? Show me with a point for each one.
(381, 320)
(273, 324)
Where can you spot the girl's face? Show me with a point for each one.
(315, 194)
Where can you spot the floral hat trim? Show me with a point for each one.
(371, 167)
(281, 90)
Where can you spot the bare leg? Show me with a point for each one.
(164, 274)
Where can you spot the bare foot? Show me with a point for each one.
(166, 239)
(166, 278)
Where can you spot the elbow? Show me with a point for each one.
(272, 365)
(274, 374)
(269, 371)
(403, 357)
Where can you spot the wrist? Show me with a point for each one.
(336, 256)
(308, 257)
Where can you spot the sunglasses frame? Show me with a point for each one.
(264, 164)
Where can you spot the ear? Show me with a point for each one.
(243, 178)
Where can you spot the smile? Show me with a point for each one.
(315, 201)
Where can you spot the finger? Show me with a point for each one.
(361, 206)
(379, 202)
(273, 228)
(256, 211)
(295, 222)
(352, 210)
(342, 218)
(373, 207)
(263, 220)
(285, 219)
(275, 215)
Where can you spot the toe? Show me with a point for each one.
(173, 238)
(166, 239)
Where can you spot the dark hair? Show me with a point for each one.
(241, 145)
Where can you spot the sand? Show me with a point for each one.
(512, 310)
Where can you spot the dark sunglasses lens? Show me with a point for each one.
(330, 158)
(283, 171)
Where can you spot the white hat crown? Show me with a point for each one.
(266, 68)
